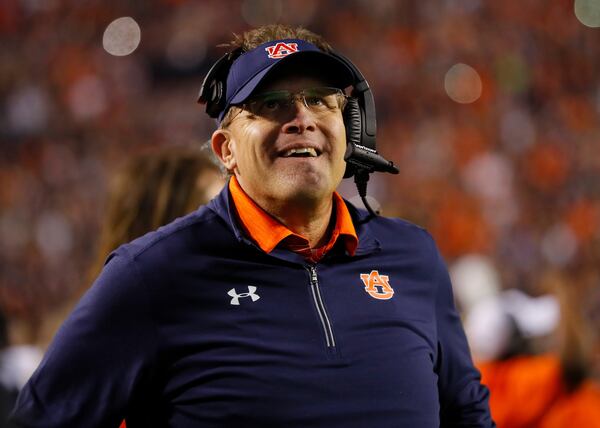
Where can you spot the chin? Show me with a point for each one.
(305, 191)
(310, 183)
(302, 178)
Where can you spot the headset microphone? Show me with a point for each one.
(361, 157)
(363, 161)
(361, 154)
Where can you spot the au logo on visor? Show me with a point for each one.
(281, 50)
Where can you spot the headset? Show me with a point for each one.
(360, 122)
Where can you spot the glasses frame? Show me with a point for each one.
(292, 97)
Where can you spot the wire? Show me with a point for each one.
(361, 178)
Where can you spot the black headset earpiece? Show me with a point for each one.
(214, 86)
(361, 128)
(353, 125)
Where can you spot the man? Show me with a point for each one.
(279, 304)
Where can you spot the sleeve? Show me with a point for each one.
(100, 359)
(463, 399)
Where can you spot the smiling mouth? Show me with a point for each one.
(304, 152)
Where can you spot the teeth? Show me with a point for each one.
(301, 151)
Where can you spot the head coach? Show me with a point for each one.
(279, 304)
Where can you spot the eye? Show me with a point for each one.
(272, 104)
(322, 98)
(315, 100)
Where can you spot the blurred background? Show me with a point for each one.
(490, 110)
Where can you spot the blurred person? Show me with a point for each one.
(578, 403)
(534, 354)
(154, 189)
(277, 304)
(148, 191)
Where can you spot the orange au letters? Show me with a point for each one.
(377, 286)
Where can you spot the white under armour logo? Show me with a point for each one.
(235, 297)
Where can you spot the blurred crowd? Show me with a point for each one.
(512, 176)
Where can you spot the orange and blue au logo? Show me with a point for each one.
(281, 49)
(378, 286)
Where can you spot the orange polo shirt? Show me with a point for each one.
(269, 232)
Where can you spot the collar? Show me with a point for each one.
(268, 232)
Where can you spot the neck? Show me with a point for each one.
(311, 219)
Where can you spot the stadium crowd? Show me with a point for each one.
(512, 175)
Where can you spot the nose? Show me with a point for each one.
(301, 119)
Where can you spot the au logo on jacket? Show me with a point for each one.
(377, 285)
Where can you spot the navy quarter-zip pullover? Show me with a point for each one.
(194, 326)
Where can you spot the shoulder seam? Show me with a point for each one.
(161, 235)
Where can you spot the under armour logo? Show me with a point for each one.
(235, 297)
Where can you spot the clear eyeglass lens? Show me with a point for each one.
(318, 100)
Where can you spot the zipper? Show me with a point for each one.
(318, 300)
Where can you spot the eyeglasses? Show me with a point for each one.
(277, 104)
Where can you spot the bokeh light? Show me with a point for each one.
(122, 36)
(463, 84)
(588, 12)
(27, 110)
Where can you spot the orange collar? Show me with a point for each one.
(269, 232)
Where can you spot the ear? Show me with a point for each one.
(224, 147)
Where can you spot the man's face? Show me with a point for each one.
(274, 158)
